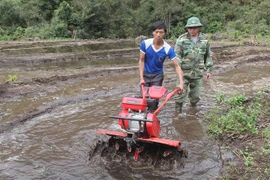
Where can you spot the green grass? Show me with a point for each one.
(242, 124)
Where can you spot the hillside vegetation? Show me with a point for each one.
(93, 19)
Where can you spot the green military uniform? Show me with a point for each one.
(194, 58)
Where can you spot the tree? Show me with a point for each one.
(62, 17)
(130, 18)
(47, 7)
(9, 16)
(63, 12)
(32, 17)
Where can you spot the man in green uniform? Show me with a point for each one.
(194, 54)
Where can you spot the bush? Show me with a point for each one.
(262, 28)
(5, 38)
(214, 27)
(19, 32)
(177, 31)
(32, 31)
(2, 32)
(59, 29)
(235, 116)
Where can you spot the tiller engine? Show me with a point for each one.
(138, 119)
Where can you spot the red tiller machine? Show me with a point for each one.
(138, 119)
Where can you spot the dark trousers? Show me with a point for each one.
(152, 80)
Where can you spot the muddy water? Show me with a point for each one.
(55, 145)
(246, 79)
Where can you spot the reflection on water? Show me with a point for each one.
(55, 145)
(245, 79)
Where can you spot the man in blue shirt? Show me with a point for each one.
(153, 53)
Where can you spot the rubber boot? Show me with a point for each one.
(178, 107)
(193, 104)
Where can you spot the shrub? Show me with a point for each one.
(234, 115)
(214, 27)
(59, 29)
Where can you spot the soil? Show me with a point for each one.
(31, 54)
(225, 56)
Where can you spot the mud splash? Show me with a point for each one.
(152, 157)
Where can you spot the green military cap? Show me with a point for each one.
(193, 22)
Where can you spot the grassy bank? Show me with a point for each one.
(242, 124)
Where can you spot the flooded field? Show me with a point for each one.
(50, 115)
